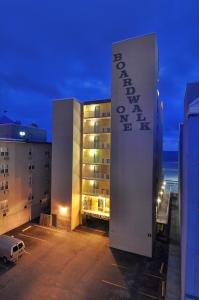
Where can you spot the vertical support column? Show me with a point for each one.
(65, 190)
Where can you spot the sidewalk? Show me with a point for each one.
(173, 272)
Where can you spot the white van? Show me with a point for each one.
(11, 248)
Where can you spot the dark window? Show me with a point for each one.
(20, 245)
(15, 248)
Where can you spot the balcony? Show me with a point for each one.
(96, 129)
(93, 161)
(97, 114)
(95, 175)
(96, 145)
(95, 192)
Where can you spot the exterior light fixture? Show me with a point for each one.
(92, 107)
(161, 193)
(164, 183)
(22, 133)
(63, 210)
(92, 123)
(92, 152)
(158, 200)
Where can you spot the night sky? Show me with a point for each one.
(52, 49)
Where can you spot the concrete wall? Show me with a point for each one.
(20, 208)
(66, 163)
(133, 138)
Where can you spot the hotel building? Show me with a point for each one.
(106, 154)
(25, 178)
(96, 159)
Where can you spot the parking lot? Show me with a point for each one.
(80, 265)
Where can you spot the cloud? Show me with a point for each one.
(58, 49)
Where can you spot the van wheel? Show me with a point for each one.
(5, 260)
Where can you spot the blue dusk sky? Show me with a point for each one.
(52, 49)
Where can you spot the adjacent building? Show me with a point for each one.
(15, 130)
(189, 191)
(25, 179)
(106, 154)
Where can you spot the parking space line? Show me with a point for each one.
(153, 275)
(114, 284)
(26, 228)
(148, 295)
(32, 237)
(48, 228)
(119, 266)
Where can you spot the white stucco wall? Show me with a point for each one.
(134, 108)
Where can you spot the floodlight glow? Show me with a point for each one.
(63, 210)
(158, 200)
(92, 123)
(92, 152)
(22, 133)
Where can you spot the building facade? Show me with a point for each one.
(189, 191)
(15, 130)
(135, 144)
(96, 159)
(106, 154)
(25, 171)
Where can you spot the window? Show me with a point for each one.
(15, 249)
(6, 185)
(3, 204)
(20, 245)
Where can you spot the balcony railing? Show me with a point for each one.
(96, 145)
(95, 192)
(97, 129)
(97, 114)
(96, 160)
(95, 175)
